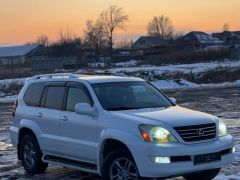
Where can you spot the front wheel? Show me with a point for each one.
(119, 165)
(206, 175)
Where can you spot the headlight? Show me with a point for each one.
(222, 129)
(156, 134)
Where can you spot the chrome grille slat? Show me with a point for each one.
(201, 136)
(195, 129)
(191, 134)
(206, 131)
(214, 130)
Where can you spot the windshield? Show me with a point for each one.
(115, 96)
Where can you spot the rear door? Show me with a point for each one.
(48, 115)
(78, 131)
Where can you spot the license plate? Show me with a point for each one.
(206, 158)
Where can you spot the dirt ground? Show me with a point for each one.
(224, 103)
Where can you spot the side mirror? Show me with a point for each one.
(85, 109)
(174, 101)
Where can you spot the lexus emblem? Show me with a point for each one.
(200, 132)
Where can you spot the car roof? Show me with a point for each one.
(77, 77)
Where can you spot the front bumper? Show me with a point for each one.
(143, 151)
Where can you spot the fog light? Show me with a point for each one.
(233, 149)
(161, 160)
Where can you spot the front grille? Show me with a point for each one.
(197, 132)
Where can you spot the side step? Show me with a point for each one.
(82, 166)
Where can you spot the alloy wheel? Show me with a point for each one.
(123, 169)
(29, 154)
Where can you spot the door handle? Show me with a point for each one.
(64, 118)
(39, 115)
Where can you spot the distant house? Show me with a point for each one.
(229, 38)
(197, 40)
(236, 32)
(17, 56)
(146, 42)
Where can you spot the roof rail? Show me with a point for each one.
(85, 72)
(58, 75)
(73, 75)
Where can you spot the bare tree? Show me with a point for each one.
(178, 34)
(68, 44)
(94, 36)
(111, 19)
(161, 26)
(66, 36)
(43, 40)
(124, 44)
(226, 27)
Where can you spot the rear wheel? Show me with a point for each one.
(31, 155)
(119, 165)
(206, 175)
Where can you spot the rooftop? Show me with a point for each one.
(17, 50)
(230, 34)
(237, 33)
(201, 37)
(156, 40)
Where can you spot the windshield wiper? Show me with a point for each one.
(121, 108)
(158, 107)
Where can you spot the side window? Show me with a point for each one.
(54, 97)
(33, 94)
(77, 95)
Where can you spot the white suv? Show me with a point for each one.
(118, 127)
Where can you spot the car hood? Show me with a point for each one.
(173, 115)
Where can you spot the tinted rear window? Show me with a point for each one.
(33, 94)
(54, 97)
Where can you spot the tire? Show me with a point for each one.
(120, 164)
(206, 175)
(31, 155)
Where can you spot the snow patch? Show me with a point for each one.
(231, 177)
(8, 99)
(173, 84)
(8, 82)
(184, 68)
(127, 63)
(2, 94)
(176, 84)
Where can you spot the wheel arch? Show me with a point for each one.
(110, 138)
(23, 132)
(107, 146)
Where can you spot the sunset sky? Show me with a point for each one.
(22, 21)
